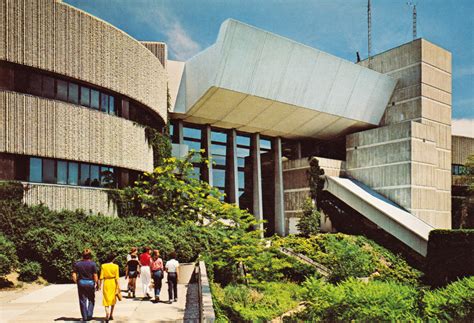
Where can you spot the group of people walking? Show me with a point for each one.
(147, 266)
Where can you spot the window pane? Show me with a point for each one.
(36, 170)
(218, 177)
(95, 179)
(241, 177)
(219, 136)
(62, 172)
(243, 140)
(85, 175)
(49, 175)
(196, 173)
(192, 133)
(85, 96)
(112, 105)
(94, 99)
(34, 84)
(107, 178)
(265, 144)
(61, 93)
(195, 145)
(73, 174)
(48, 87)
(104, 102)
(73, 93)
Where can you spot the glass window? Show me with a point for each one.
(36, 170)
(112, 105)
(218, 160)
(73, 93)
(191, 133)
(196, 173)
(218, 177)
(95, 99)
(62, 172)
(48, 87)
(171, 127)
(49, 175)
(85, 93)
(34, 84)
(243, 140)
(95, 178)
(265, 144)
(73, 173)
(195, 145)
(241, 177)
(61, 92)
(85, 179)
(218, 136)
(104, 102)
(107, 178)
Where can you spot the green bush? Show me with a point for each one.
(258, 303)
(309, 221)
(11, 191)
(359, 301)
(30, 271)
(352, 256)
(8, 258)
(454, 302)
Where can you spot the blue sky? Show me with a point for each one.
(338, 27)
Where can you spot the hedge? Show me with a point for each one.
(450, 256)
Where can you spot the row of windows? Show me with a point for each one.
(43, 170)
(31, 81)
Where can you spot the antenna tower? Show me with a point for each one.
(369, 32)
(413, 5)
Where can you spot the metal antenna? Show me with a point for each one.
(369, 32)
(413, 5)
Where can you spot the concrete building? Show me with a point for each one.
(258, 104)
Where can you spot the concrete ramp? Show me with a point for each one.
(387, 215)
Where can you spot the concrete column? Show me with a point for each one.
(298, 149)
(257, 180)
(232, 168)
(279, 202)
(180, 132)
(206, 144)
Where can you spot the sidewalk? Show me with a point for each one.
(60, 303)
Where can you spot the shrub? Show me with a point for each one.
(309, 221)
(11, 191)
(8, 258)
(444, 265)
(356, 300)
(258, 303)
(352, 256)
(30, 271)
(455, 302)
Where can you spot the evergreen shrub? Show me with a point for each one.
(30, 271)
(8, 258)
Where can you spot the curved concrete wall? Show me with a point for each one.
(48, 128)
(57, 37)
(59, 197)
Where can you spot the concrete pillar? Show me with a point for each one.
(232, 168)
(180, 132)
(279, 202)
(298, 149)
(257, 180)
(206, 145)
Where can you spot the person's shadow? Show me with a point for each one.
(74, 319)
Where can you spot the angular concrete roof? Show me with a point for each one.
(256, 81)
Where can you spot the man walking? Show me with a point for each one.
(85, 276)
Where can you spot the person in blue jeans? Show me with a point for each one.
(85, 276)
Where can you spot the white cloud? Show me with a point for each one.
(463, 127)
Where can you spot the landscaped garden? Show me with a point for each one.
(251, 279)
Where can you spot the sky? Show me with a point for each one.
(338, 27)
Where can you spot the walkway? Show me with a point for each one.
(60, 303)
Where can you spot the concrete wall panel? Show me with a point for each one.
(462, 147)
(49, 128)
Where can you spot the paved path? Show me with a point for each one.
(60, 303)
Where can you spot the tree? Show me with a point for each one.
(316, 183)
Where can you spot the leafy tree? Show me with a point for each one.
(310, 220)
(316, 184)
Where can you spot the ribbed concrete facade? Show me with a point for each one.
(49, 128)
(462, 148)
(409, 160)
(56, 37)
(59, 198)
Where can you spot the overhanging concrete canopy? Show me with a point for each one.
(256, 81)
